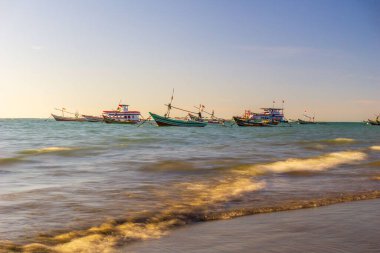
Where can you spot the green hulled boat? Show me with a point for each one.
(165, 121)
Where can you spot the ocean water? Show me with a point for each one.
(94, 187)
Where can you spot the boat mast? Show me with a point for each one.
(61, 110)
(169, 106)
(208, 113)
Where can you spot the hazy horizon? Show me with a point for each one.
(86, 56)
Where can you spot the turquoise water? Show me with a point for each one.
(67, 186)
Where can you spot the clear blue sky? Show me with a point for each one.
(319, 56)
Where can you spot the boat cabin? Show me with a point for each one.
(123, 113)
(268, 114)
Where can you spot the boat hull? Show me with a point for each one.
(250, 123)
(163, 121)
(119, 121)
(61, 118)
(304, 122)
(90, 118)
(374, 122)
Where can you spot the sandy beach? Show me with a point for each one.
(347, 227)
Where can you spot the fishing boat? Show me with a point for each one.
(375, 122)
(111, 120)
(167, 121)
(212, 119)
(207, 120)
(244, 122)
(121, 115)
(270, 116)
(305, 122)
(76, 117)
(310, 120)
(90, 118)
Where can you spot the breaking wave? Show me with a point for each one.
(113, 234)
(319, 163)
(46, 150)
(377, 148)
(197, 202)
(322, 144)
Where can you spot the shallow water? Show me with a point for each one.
(68, 186)
(351, 227)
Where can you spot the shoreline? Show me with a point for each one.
(344, 227)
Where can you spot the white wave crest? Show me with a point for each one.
(343, 140)
(319, 163)
(46, 150)
(377, 148)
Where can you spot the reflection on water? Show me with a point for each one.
(92, 187)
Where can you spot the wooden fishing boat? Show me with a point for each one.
(309, 120)
(244, 122)
(90, 118)
(375, 122)
(212, 119)
(76, 117)
(61, 118)
(305, 122)
(167, 121)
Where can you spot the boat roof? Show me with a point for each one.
(114, 111)
(271, 108)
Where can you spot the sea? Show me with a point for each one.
(96, 187)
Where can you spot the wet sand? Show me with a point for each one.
(348, 227)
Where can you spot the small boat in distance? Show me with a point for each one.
(310, 120)
(90, 118)
(76, 117)
(121, 115)
(211, 120)
(167, 121)
(374, 122)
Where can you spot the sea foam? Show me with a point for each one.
(318, 163)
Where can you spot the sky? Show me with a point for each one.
(322, 57)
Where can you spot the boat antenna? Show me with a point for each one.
(169, 105)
